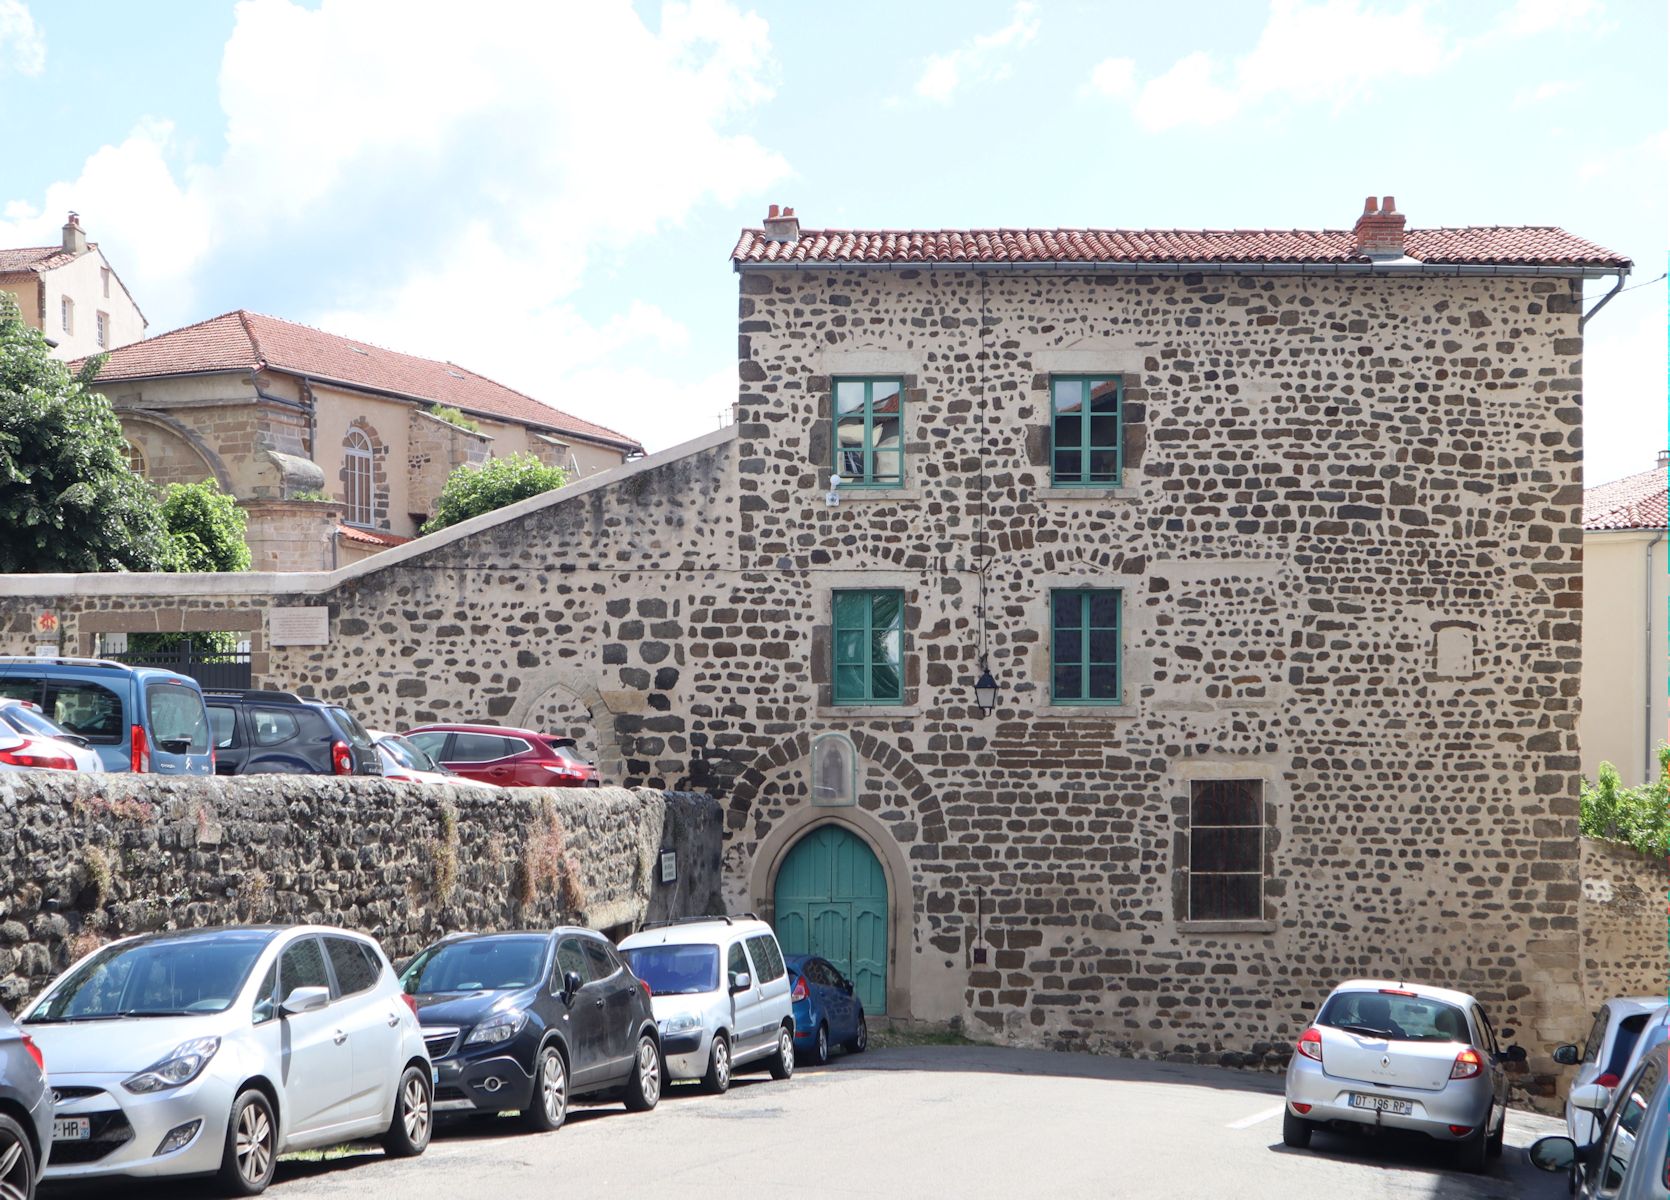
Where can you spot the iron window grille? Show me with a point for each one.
(1226, 850)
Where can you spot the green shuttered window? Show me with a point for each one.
(870, 647)
(870, 432)
(1087, 442)
(1084, 646)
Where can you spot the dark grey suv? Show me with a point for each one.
(25, 1112)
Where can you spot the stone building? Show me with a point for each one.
(1270, 543)
(72, 294)
(334, 447)
(1626, 596)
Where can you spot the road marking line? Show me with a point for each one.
(1258, 1117)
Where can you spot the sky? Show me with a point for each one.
(548, 193)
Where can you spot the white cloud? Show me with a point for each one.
(982, 59)
(1115, 78)
(22, 45)
(1529, 17)
(522, 145)
(1552, 90)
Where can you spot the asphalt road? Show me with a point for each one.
(926, 1122)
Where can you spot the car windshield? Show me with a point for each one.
(1396, 1016)
(160, 977)
(477, 965)
(27, 720)
(676, 970)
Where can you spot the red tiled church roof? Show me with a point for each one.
(1541, 245)
(371, 537)
(242, 341)
(1634, 502)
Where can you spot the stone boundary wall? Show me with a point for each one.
(1626, 941)
(88, 858)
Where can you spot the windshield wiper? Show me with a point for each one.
(153, 1012)
(1368, 1032)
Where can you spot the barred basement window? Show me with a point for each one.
(869, 647)
(1087, 443)
(1226, 850)
(870, 432)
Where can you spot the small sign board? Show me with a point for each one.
(669, 866)
(46, 650)
(310, 626)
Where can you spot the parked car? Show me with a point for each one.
(409, 763)
(532, 1022)
(271, 732)
(1630, 1159)
(720, 990)
(507, 757)
(25, 1112)
(1402, 1056)
(1606, 1055)
(213, 1051)
(827, 1012)
(31, 741)
(135, 718)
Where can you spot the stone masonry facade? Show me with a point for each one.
(1625, 935)
(1347, 541)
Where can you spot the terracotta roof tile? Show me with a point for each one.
(243, 340)
(1634, 502)
(371, 537)
(33, 258)
(1516, 246)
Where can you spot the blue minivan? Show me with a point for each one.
(137, 718)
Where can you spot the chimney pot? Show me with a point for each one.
(772, 214)
(1370, 206)
(75, 240)
(1663, 459)
(1388, 205)
(781, 225)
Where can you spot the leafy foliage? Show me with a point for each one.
(1639, 816)
(68, 500)
(473, 490)
(453, 416)
(205, 528)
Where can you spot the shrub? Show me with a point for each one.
(1638, 816)
(473, 490)
(453, 416)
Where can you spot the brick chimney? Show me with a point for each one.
(781, 226)
(1379, 231)
(75, 241)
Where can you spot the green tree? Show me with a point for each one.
(68, 500)
(1639, 816)
(473, 490)
(205, 528)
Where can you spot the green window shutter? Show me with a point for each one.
(1085, 646)
(869, 647)
(870, 432)
(1087, 431)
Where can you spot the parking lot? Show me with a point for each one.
(931, 1121)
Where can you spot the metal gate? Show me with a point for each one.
(215, 669)
(832, 902)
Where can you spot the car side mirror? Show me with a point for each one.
(1552, 1153)
(740, 981)
(1566, 1055)
(571, 984)
(304, 1000)
(175, 745)
(1591, 1097)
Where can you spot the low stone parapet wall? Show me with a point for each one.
(88, 858)
(1626, 940)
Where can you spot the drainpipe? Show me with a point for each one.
(1647, 658)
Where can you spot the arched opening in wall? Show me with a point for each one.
(358, 480)
(830, 899)
(565, 711)
(136, 459)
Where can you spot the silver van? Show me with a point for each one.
(720, 991)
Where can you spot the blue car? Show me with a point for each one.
(826, 1010)
(140, 719)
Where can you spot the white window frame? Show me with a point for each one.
(101, 329)
(66, 314)
(359, 491)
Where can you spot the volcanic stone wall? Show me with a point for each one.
(87, 858)
(1626, 944)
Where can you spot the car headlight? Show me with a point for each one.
(680, 1023)
(500, 1028)
(183, 1064)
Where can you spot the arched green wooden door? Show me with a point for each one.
(832, 902)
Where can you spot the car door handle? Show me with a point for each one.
(394, 1019)
(340, 1037)
(597, 1003)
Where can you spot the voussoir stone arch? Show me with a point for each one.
(167, 427)
(563, 696)
(922, 795)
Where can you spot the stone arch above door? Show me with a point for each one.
(568, 706)
(173, 452)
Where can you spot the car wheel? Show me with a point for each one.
(1295, 1131)
(17, 1162)
(860, 1039)
(782, 1063)
(251, 1154)
(820, 1046)
(1472, 1155)
(547, 1110)
(1493, 1143)
(644, 1088)
(718, 1077)
(414, 1116)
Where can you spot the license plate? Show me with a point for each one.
(1401, 1108)
(71, 1129)
(434, 1075)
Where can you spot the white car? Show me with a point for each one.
(213, 1051)
(720, 991)
(408, 762)
(1607, 1057)
(32, 741)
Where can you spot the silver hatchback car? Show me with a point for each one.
(1389, 1055)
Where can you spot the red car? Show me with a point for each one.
(507, 757)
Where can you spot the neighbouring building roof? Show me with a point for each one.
(371, 537)
(1634, 502)
(245, 341)
(1522, 246)
(35, 259)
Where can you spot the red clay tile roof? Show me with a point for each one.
(1634, 502)
(33, 258)
(371, 537)
(1541, 245)
(242, 341)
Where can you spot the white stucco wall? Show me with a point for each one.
(1624, 652)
